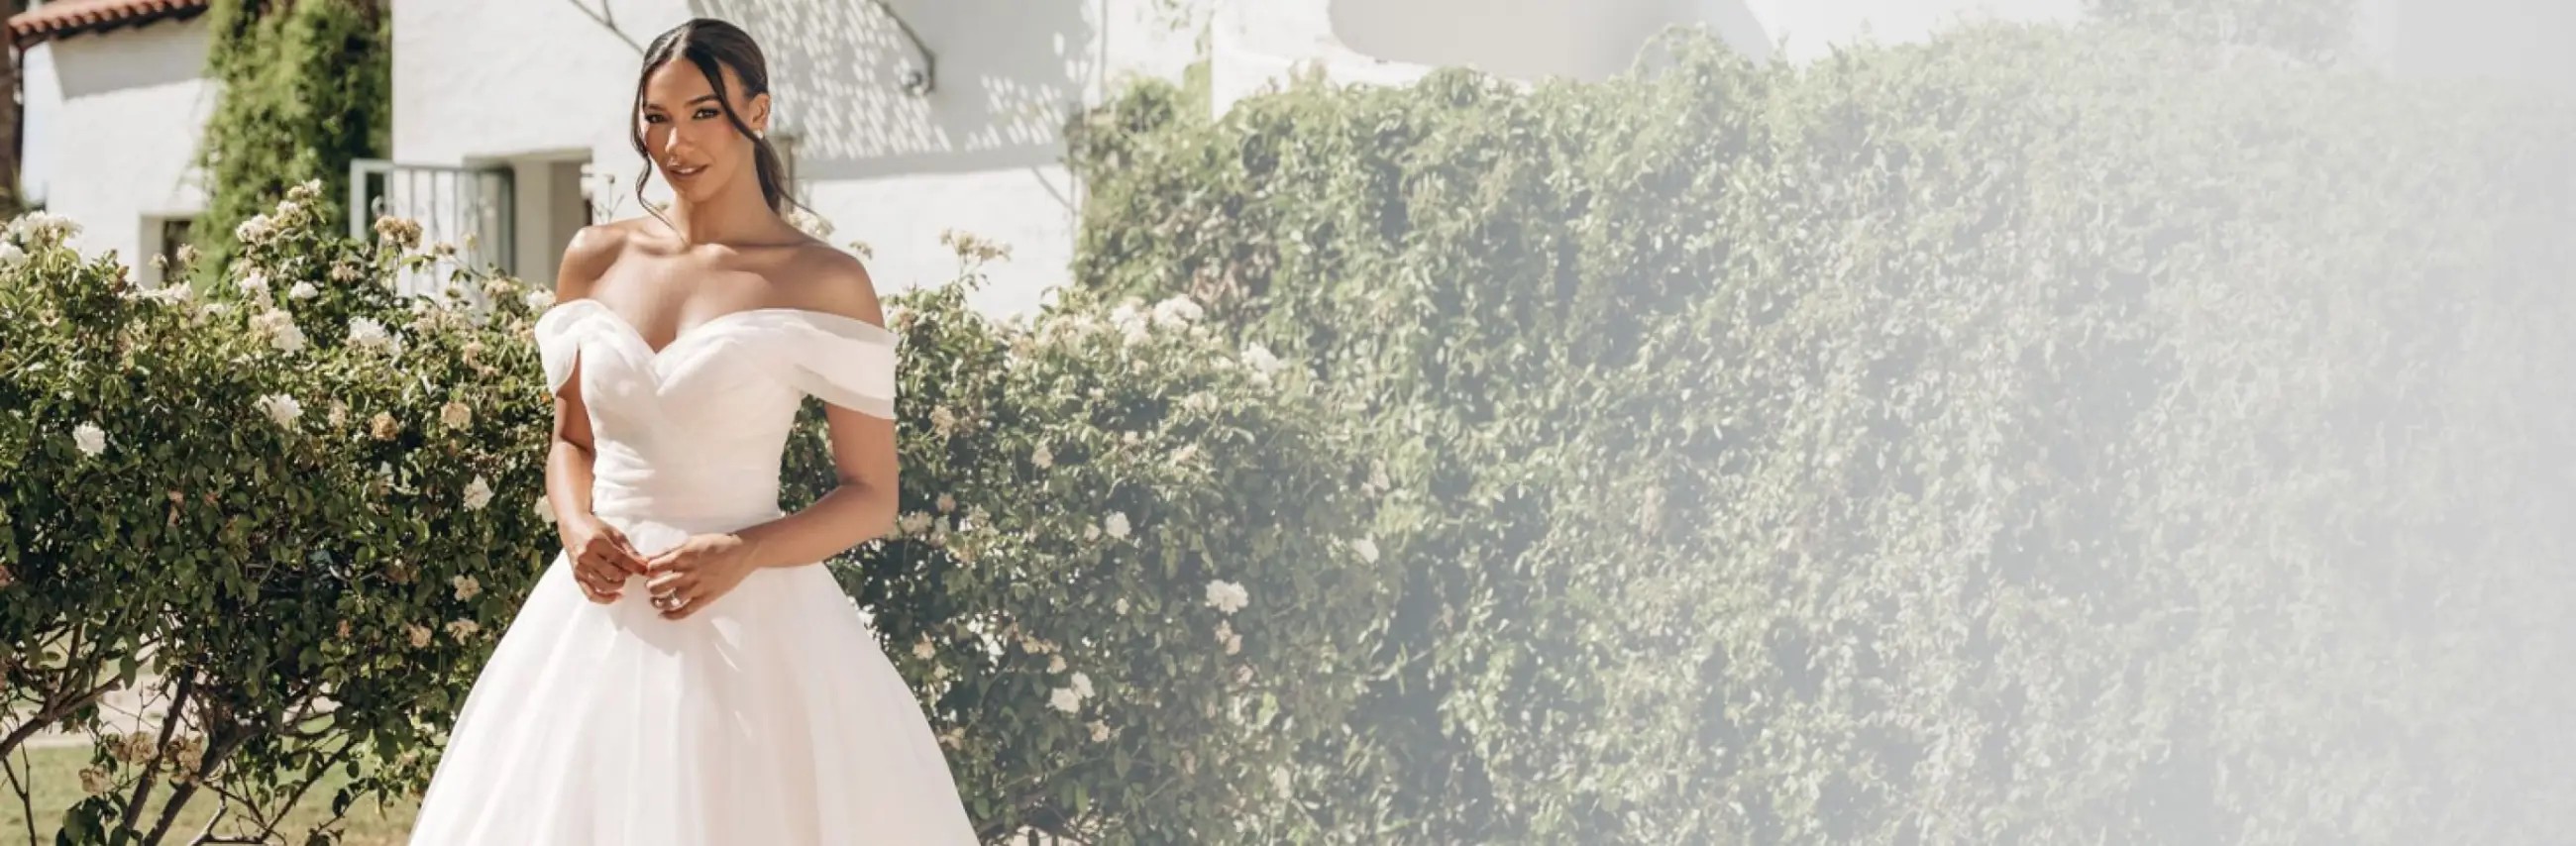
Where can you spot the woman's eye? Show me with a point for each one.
(703, 114)
(652, 118)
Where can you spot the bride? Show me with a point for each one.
(686, 672)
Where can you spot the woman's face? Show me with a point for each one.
(687, 134)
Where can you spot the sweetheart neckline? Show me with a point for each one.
(875, 332)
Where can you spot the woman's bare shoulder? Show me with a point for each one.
(596, 248)
(832, 280)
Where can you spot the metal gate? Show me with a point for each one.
(468, 208)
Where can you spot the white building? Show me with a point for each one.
(116, 98)
(904, 118)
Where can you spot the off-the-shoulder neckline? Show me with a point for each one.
(862, 328)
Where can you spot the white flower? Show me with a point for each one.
(1243, 674)
(1055, 663)
(1091, 533)
(10, 255)
(540, 299)
(302, 291)
(947, 503)
(478, 493)
(942, 420)
(281, 330)
(462, 629)
(913, 524)
(419, 634)
(1260, 359)
(93, 781)
(1366, 548)
(254, 230)
(1082, 685)
(1064, 699)
(338, 415)
(404, 232)
(253, 285)
(1227, 597)
(456, 414)
(368, 333)
(173, 291)
(91, 439)
(44, 228)
(1099, 731)
(1116, 524)
(281, 408)
(809, 223)
(1199, 402)
(1120, 606)
(545, 510)
(1225, 635)
(1279, 780)
(923, 649)
(466, 588)
(1043, 458)
(1176, 312)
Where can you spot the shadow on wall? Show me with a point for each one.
(1009, 75)
(160, 54)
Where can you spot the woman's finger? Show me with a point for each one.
(684, 603)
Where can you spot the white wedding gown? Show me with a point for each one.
(770, 716)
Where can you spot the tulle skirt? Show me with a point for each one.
(769, 717)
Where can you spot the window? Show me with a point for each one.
(175, 232)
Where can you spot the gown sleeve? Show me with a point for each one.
(843, 361)
(558, 333)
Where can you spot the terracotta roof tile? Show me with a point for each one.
(71, 17)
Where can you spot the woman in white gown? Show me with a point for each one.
(686, 672)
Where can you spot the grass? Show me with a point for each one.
(57, 786)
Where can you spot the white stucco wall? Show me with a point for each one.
(479, 80)
(113, 122)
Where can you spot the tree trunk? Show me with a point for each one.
(13, 115)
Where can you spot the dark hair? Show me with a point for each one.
(713, 45)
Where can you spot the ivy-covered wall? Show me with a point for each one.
(307, 87)
(2035, 435)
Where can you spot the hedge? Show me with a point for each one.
(304, 508)
(2032, 435)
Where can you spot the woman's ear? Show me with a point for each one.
(760, 113)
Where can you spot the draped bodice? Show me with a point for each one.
(691, 434)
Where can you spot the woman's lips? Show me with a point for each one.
(677, 172)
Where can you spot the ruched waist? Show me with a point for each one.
(694, 511)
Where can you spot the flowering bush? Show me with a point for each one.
(297, 509)
(1126, 569)
(2028, 436)
(279, 495)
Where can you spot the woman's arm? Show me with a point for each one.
(601, 555)
(863, 505)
